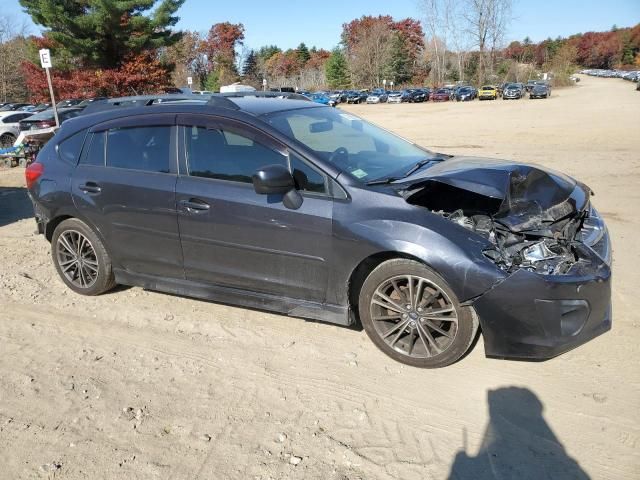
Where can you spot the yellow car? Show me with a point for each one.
(488, 93)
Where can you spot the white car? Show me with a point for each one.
(10, 126)
(395, 97)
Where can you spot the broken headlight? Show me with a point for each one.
(593, 233)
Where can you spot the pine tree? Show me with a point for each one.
(303, 54)
(102, 33)
(398, 68)
(336, 70)
(250, 67)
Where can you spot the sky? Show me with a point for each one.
(320, 24)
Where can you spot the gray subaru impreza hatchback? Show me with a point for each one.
(271, 201)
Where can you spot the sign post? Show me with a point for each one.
(45, 61)
(189, 81)
(384, 83)
(264, 84)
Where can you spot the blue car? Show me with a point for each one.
(323, 99)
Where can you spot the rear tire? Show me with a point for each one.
(81, 259)
(412, 315)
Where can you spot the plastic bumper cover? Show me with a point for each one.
(532, 316)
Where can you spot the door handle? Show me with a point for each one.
(195, 204)
(90, 187)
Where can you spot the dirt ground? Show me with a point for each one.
(137, 384)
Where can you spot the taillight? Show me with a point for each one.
(33, 173)
(45, 124)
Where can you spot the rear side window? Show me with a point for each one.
(225, 155)
(15, 118)
(93, 153)
(139, 148)
(69, 149)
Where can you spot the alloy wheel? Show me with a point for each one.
(77, 259)
(414, 316)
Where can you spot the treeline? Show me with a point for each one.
(120, 48)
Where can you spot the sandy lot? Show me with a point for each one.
(137, 384)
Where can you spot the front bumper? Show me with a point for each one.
(532, 316)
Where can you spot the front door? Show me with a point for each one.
(232, 236)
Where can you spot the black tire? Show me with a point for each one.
(104, 278)
(464, 329)
(7, 140)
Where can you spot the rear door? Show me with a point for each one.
(232, 236)
(125, 186)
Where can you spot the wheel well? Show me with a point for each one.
(52, 224)
(362, 271)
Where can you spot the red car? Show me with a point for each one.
(440, 95)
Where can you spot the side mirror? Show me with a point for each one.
(277, 180)
(273, 179)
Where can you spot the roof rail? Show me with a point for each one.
(259, 94)
(141, 101)
(220, 100)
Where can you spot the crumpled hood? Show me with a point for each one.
(520, 196)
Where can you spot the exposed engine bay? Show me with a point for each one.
(535, 219)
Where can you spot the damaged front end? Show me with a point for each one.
(534, 219)
(541, 230)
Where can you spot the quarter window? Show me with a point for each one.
(307, 178)
(139, 148)
(226, 155)
(69, 149)
(94, 154)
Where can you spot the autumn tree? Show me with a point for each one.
(187, 59)
(101, 33)
(486, 23)
(13, 50)
(220, 49)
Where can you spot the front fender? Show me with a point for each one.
(450, 250)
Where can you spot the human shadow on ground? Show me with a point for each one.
(518, 443)
(14, 205)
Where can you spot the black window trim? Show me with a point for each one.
(185, 121)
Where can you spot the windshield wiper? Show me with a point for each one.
(382, 181)
(418, 166)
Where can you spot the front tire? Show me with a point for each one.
(81, 259)
(412, 315)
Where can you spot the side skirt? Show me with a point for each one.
(234, 296)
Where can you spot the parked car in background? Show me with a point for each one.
(356, 97)
(512, 92)
(377, 95)
(539, 91)
(40, 107)
(487, 92)
(46, 118)
(88, 101)
(322, 98)
(395, 96)
(339, 96)
(530, 84)
(10, 126)
(414, 95)
(465, 94)
(440, 95)
(10, 107)
(71, 102)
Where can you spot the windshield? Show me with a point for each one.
(362, 150)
